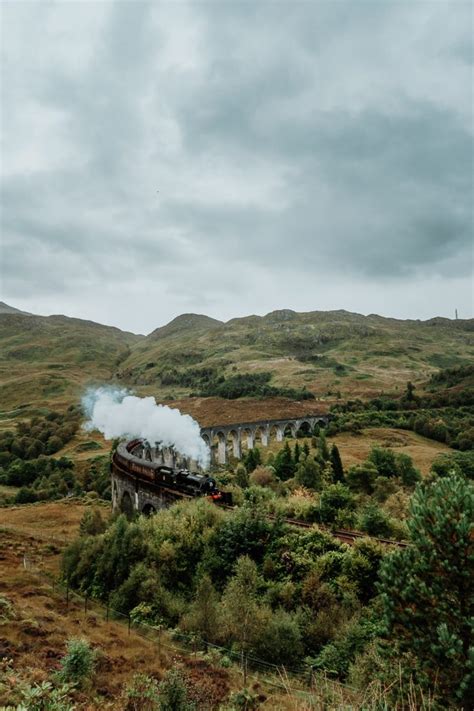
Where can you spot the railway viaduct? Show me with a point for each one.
(224, 441)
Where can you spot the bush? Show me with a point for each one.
(374, 521)
(25, 496)
(406, 471)
(78, 663)
(384, 461)
(173, 693)
(142, 694)
(262, 476)
(362, 477)
(92, 523)
(280, 639)
(308, 473)
(335, 498)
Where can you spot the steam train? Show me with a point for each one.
(181, 481)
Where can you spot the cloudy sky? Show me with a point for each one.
(308, 155)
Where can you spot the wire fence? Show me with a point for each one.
(300, 681)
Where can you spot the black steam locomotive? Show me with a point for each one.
(182, 481)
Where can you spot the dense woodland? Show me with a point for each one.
(24, 460)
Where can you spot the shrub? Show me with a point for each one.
(308, 473)
(384, 461)
(280, 638)
(92, 523)
(262, 476)
(374, 521)
(78, 663)
(334, 499)
(362, 477)
(25, 496)
(142, 694)
(241, 476)
(173, 693)
(406, 471)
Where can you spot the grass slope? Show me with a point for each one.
(330, 353)
(47, 361)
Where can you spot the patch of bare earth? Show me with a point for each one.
(216, 411)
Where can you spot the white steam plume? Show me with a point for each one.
(116, 413)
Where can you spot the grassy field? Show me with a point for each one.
(354, 448)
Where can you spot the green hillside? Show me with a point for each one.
(329, 353)
(50, 359)
(327, 356)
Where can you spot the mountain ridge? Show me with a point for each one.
(50, 360)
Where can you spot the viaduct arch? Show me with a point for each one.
(218, 437)
(131, 495)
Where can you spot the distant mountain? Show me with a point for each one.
(6, 309)
(331, 353)
(185, 323)
(48, 360)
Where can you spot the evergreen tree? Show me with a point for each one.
(252, 459)
(306, 450)
(308, 473)
(336, 463)
(297, 453)
(284, 464)
(323, 447)
(427, 591)
(241, 477)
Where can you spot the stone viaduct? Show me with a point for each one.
(129, 494)
(225, 440)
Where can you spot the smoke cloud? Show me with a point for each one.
(117, 413)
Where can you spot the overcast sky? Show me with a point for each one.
(308, 155)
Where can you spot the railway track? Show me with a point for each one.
(343, 535)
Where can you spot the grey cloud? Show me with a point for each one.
(336, 155)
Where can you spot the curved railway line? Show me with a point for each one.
(343, 535)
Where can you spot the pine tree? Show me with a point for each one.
(306, 450)
(252, 459)
(323, 447)
(308, 473)
(241, 476)
(427, 594)
(297, 453)
(336, 463)
(284, 464)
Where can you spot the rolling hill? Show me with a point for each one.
(48, 361)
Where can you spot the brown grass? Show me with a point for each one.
(354, 448)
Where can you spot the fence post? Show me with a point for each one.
(107, 613)
(85, 604)
(129, 622)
